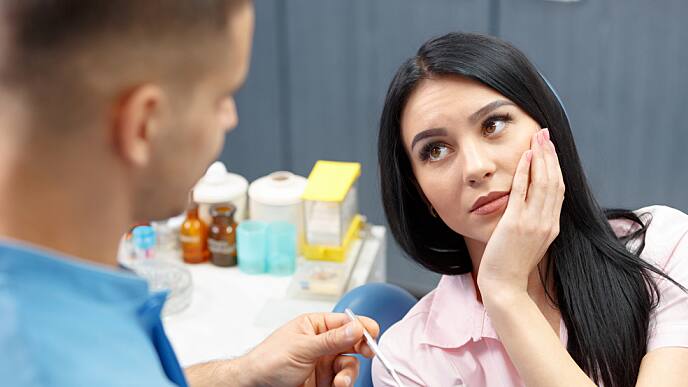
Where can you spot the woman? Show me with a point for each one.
(539, 288)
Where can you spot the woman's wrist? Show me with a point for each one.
(501, 296)
(498, 286)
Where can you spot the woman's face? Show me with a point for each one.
(464, 141)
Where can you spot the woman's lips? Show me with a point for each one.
(493, 206)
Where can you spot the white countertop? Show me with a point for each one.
(231, 312)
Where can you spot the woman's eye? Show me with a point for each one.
(495, 125)
(434, 152)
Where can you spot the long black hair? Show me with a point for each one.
(604, 291)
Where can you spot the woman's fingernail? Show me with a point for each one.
(545, 132)
(540, 139)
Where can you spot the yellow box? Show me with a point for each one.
(335, 253)
(331, 219)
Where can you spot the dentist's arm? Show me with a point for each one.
(307, 351)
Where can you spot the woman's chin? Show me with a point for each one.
(480, 231)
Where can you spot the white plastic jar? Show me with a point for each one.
(277, 198)
(219, 186)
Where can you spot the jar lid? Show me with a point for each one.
(218, 185)
(280, 188)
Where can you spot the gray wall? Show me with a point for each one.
(320, 69)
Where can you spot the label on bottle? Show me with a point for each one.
(221, 247)
(190, 239)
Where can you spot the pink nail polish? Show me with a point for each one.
(539, 138)
(546, 133)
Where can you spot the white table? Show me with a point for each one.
(231, 312)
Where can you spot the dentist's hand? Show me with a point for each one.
(309, 351)
(530, 222)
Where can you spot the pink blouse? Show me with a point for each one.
(447, 339)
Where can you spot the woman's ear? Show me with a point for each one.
(135, 121)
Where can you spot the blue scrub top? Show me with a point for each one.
(65, 322)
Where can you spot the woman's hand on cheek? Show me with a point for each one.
(530, 222)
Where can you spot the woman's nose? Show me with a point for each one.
(478, 164)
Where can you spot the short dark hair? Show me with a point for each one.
(44, 24)
(51, 45)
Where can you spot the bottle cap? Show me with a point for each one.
(226, 209)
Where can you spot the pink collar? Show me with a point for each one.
(456, 317)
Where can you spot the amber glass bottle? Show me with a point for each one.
(222, 235)
(194, 237)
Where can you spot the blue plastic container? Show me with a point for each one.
(281, 248)
(252, 246)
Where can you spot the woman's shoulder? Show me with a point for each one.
(405, 346)
(405, 332)
(665, 215)
(666, 246)
(436, 322)
(665, 234)
(666, 228)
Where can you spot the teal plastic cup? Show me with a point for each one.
(252, 246)
(281, 248)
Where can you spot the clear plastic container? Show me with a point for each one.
(167, 238)
(277, 198)
(323, 280)
(165, 275)
(331, 219)
(328, 222)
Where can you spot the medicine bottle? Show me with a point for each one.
(194, 236)
(222, 235)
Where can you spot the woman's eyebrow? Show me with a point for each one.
(473, 118)
(428, 133)
(483, 111)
